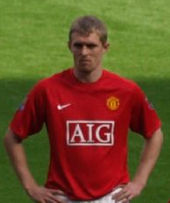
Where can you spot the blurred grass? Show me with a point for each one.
(33, 45)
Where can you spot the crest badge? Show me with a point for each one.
(113, 103)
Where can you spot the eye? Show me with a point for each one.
(91, 46)
(78, 45)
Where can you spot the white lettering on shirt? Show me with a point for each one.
(88, 132)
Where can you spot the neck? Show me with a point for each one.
(87, 76)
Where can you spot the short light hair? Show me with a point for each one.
(88, 24)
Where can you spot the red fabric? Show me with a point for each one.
(88, 127)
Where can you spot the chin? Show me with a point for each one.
(85, 69)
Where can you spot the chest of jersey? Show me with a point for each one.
(88, 118)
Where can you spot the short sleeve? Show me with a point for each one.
(144, 119)
(29, 118)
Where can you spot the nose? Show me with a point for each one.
(84, 50)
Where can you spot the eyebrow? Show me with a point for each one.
(88, 44)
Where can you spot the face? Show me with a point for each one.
(87, 51)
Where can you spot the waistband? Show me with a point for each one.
(105, 199)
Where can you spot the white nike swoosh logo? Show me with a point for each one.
(60, 107)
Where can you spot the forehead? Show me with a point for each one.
(92, 37)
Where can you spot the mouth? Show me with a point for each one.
(85, 61)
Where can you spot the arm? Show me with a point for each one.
(17, 156)
(147, 162)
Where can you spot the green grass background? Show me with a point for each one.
(33, 45)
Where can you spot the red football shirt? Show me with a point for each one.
(87, 125)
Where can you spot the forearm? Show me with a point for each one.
(17, 156)
(149, 157)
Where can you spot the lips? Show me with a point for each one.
(85, 61)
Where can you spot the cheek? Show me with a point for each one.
(75, 54)
(98, 56)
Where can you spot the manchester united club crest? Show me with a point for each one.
(113, 103)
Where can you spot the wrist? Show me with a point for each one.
(29, 185)
(139, 182)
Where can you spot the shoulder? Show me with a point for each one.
(54, 79)
(44, 87)
(121, 82)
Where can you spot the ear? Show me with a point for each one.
(106, 46)
(69, 45)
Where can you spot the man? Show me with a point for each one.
(88, 112)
